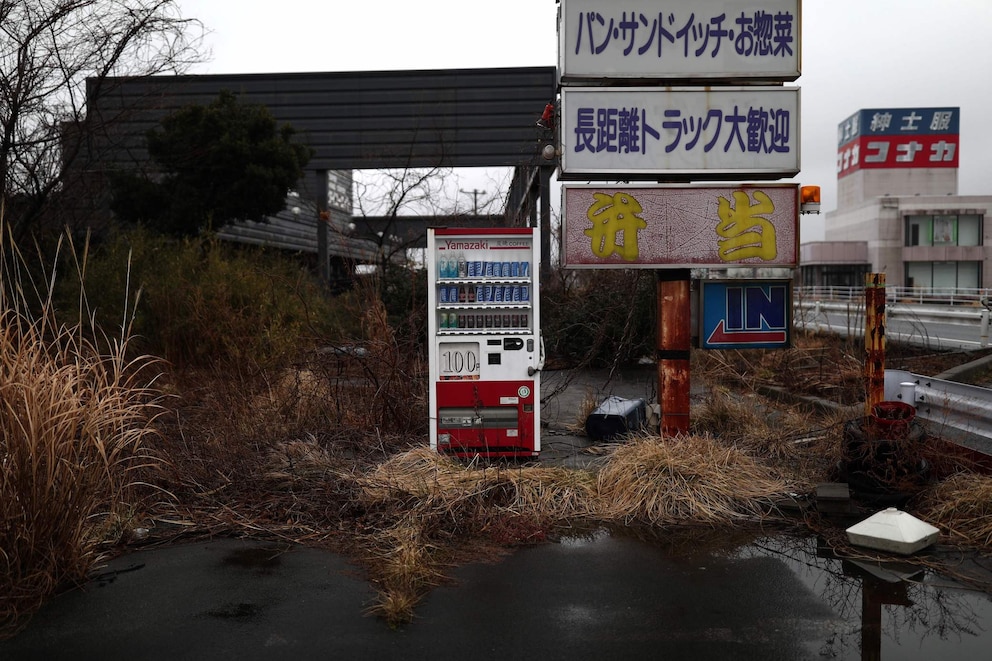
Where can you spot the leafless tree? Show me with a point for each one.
(392, 194)
(52, 54)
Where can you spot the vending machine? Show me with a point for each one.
(485, 341)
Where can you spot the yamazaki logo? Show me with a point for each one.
(466, 245)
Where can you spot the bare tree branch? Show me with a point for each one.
(49, 51)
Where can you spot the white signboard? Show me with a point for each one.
(756, 40)
(623, 133)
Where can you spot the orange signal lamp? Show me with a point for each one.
(809, 198)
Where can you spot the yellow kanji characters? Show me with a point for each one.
(745, 232)
(610, 215)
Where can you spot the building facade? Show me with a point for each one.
(898, 208)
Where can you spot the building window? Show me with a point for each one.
(944, 230)
(944, 275)
(969, 230)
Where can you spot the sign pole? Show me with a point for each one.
(874, 340)
(674, 346)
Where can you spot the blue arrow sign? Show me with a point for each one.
(746, 314)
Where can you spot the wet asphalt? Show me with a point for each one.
(589, 596)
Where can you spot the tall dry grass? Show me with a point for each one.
(962, 507)
(73, 421)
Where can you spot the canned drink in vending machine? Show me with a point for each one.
(506, 321)
(524, 293)
(515, 321)
(514, 269)
(488, 321)
(505, 271)
(498, 293)
(517, 294)
(443, 293)
(488, 294)
(524, 320)
(524, 269)
(480, 294)
(489, 269)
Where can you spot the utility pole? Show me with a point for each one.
(475, 193)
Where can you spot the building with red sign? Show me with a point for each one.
(898, 208)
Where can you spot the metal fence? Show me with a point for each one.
(914, 295)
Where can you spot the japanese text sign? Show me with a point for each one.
(704, 39)
(898, 138)
(679, 133)
(690, 226)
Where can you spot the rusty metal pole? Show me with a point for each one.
(874, 340)
(674, 345)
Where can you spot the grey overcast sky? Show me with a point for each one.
(855, 54)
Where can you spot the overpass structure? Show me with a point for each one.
(353, 121)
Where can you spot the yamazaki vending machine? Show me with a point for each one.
(485, 341)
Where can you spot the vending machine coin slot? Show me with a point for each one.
(512, 344)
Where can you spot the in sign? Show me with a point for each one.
(746, 314)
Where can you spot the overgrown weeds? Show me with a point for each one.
(310, 426)
(961, 506)
(74, 426)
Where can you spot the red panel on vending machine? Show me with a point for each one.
(485, 349)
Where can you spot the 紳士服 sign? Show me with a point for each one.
(891, 138)
(757, 40)
(680, 226)
(679, 133)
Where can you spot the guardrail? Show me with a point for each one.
(958, 407)
(977, 320)
(917, 295)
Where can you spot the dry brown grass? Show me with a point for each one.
(426, 502)
(435, 500)
(588, 404)
(331, 452)
(440, 482)
(73, 432)
(792, 439)
(685, 479)
(961, 506)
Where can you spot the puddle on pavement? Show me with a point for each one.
(894, 610)
(261, 559)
